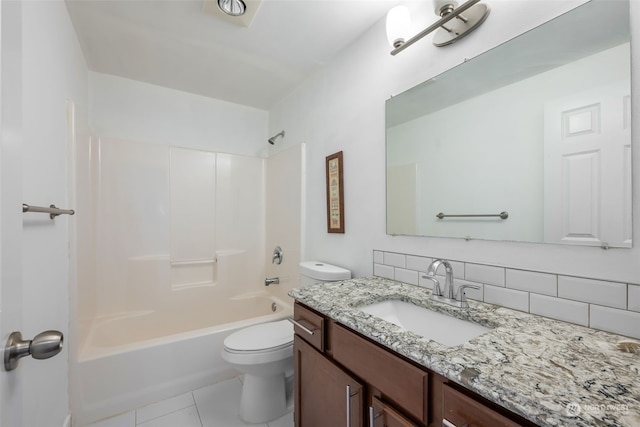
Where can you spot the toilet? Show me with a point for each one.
(264, 353)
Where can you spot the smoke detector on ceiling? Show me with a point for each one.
(238, 12)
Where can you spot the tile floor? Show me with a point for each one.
(213, 406)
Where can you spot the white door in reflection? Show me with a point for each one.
(588, 167)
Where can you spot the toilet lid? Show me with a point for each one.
(261, 337)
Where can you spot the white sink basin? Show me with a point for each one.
(432, 325)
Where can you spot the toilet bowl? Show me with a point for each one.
(264, 353)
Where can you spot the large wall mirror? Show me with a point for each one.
(535, 134)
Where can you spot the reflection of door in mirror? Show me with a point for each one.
(587, 168)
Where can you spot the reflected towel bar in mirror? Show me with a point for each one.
(52, 210)
(502, 215)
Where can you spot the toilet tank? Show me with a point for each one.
(312, 272)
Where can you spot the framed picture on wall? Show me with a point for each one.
(335, 194)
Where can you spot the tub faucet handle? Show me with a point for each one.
(277, 256)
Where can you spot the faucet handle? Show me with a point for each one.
(436, 284)
(277, 256)
(460, 295)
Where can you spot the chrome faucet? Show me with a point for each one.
(457, 299)
(271, 281)
(448, 281)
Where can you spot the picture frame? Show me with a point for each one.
(335, 193)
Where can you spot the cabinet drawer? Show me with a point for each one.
(461, 410)
(399, 382)
(384, 415)
(313, 326)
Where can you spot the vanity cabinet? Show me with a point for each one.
(342, 375)
(325, 394)
(461, 410)
(330, 362)
(383, 415)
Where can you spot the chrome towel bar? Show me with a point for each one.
(502, 215)
(52, 210)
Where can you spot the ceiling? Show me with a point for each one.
(174, 43)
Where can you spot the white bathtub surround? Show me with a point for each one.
(172, 252)
(212, 406)
(284, 215)
(166, 219)
(172, 243)
(600, 304)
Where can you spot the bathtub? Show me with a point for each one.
(138, 358)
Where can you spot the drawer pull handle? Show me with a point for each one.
(349, 396)
(373, 416)
(301, 326)
(447, 423)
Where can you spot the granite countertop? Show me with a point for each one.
(550, 372)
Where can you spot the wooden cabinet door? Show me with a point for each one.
(461, 410)
(325, 394)
(383, 415)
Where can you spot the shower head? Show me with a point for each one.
(272, 140)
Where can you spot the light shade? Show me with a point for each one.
(232, 7)
(447, 5)
(398, 21)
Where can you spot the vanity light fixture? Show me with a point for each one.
(451, 27)
(232, 7)
(398, 20)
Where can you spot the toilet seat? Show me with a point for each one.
(261, 338)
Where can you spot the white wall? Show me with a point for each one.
(136, 111)
(342, 108)
(54, 71)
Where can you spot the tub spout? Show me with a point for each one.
(271, 281)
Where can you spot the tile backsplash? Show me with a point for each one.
(599, 304)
